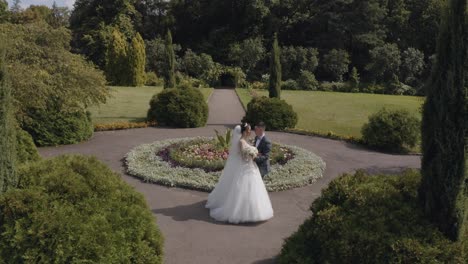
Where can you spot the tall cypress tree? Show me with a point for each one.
(275, 70)
(443, 189)
(117, 63)
(170, 71)
(137, 61)
(8, 177)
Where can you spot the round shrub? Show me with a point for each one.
(392, 130)
(25, 148)
(153, 80)
(74, 209)
(276, 113)
(369, 219)
(289, 85)
(51, 127)
(179, 107)
(307, 81)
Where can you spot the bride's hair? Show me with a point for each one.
(244, 127)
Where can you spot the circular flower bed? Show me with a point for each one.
(206, 154)
(196, 163)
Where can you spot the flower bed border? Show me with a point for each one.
(143, 162)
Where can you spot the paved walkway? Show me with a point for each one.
(190, 235)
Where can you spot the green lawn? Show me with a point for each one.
(129, 104)
(340, 113)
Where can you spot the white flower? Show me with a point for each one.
(143, 162)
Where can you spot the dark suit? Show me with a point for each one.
(263, 161)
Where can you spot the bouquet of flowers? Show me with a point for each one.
(250, 152)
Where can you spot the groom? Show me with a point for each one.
(263, 144)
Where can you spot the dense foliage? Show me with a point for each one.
(276, 113)
(26, 150)
(75, 209)
(8, 177)
(370, 219)
(396, 130)
(179, 107)
(52, 127)
(444, 167)
(48, 78)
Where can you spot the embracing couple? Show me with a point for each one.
(240, 195)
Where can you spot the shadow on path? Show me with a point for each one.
(196, 211)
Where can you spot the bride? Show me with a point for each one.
(240, 195)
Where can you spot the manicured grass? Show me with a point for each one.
(340, 113)
(129, 104)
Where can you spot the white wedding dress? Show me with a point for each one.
(240, 195)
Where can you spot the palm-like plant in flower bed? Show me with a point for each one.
(209, 155)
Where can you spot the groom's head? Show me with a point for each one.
(260, 128)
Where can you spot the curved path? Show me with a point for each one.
(190, 235)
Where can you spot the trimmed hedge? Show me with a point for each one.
(370, 219)
(25, 149)
(74, 209)
(276, 113)
(392, 130)
(182, 107)
(52, 128)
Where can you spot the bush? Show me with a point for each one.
(51, 128)
(373, 88)
(334, 87)
(369, 219)
(180, 107)
(153, 80)
(289, 85)
(391, 130)
(74, 209)
(276, 113)
(307, 81)
(25, 148)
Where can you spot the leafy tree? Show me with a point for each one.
(43, 71)
(92, 22)
(117, 64)
(336, 64)
(354, 78)
(16, 7)
(247, 54)
(8, 177)
(385, 61)
(297, 59)
(155, 17)
(137, 61)
(275, 70)
(196, 65)
(412, 65)
(3, 11)
(59, 16)
(170, 55)
(156, 59)
(444, 131)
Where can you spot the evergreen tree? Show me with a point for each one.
(137, 61)
(170, 71)
(117, 71)
(354, 78)
(443, 190)
(7, 131)
(275, 70)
